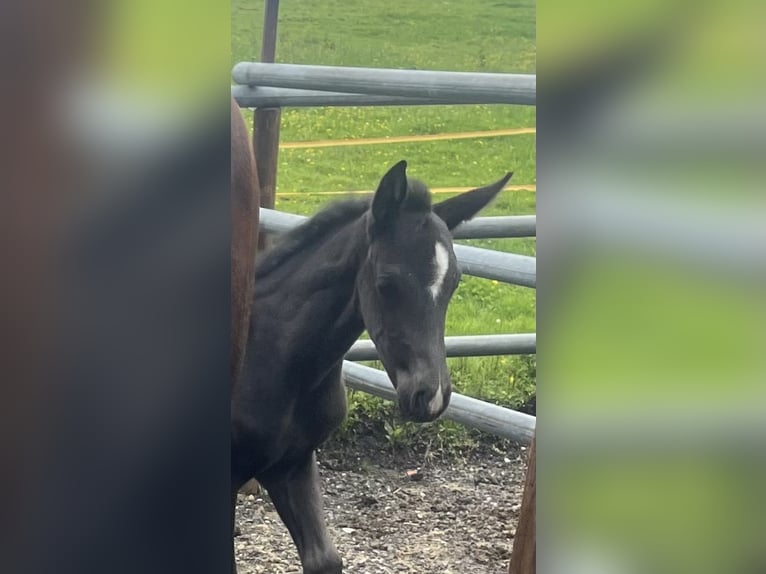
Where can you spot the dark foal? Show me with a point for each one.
(387, 266)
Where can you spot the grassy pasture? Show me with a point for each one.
(484, 35)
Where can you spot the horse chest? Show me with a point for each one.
(319, 412)
(283, 427)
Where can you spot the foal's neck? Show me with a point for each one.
(320, 294)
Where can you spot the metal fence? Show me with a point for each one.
(422, 86)
(486, 263)
(263, 84)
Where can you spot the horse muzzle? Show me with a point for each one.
(423, 399)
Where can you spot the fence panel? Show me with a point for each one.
(481, 88)
(486, 263)
(465, 410)
(466, 346)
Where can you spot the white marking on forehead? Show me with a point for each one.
(441, 266)
(436, 402)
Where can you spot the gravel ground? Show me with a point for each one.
(459, 517)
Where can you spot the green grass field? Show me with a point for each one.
(483, 35)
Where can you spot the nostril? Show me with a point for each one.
(420, 401)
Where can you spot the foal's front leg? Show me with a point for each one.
(299, 503)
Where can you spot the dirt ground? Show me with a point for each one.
(459, 517)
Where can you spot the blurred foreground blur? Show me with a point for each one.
(115, 296)
(652, 250)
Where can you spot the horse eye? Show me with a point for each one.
(387, 285)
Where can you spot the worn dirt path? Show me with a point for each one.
(458, 519)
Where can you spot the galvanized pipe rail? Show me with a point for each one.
(450, 87)
(497, 265)
(464, 346)
(266, 97)
(474, 413)
(497, 227)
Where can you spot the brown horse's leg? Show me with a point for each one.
(299, 503)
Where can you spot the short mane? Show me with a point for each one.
(310, 232)
(330, 218)
(418, 196)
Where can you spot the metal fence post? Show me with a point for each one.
(266, 122)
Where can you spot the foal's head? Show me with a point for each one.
(407, 281)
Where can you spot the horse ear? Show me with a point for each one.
(390, 194)
(463, 207)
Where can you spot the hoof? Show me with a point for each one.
(330, 563)
(252, 487)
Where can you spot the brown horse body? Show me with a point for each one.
(244, 235)
(245, 200)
